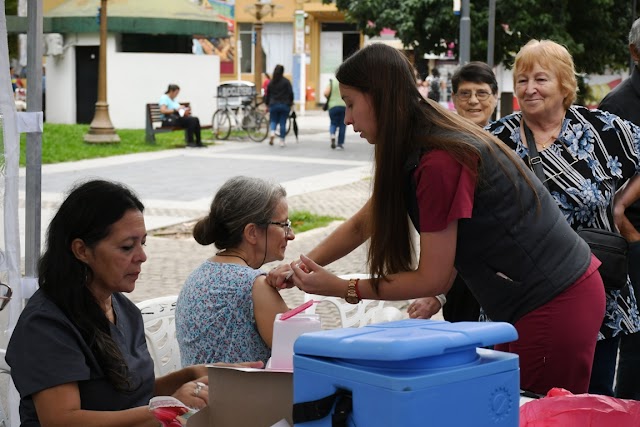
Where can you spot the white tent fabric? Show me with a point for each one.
(10, 246)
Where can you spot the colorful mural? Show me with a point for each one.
(222, 46)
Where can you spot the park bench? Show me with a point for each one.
(153, 116)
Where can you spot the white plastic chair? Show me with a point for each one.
(11, 397)
(160, 331)
(367, 311)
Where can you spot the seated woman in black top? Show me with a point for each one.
(78, 354)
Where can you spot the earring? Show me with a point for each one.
(85, 269)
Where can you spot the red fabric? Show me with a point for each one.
(558, 340)
(445, 190)
(562, 409)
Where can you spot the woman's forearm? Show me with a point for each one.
(168, 384)
(60, 406)
(628, 195)
(135, 417)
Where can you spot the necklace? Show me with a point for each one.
(550, 139)
(234, 256)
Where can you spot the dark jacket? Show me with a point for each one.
(507, 235)
(279, 92)
(624, 102)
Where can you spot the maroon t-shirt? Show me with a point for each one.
(444, 189)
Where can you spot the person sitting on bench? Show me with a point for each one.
(175, 114)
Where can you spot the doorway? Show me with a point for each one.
(86, 82)
(338, 41)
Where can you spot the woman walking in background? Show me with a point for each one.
(279, 99)
(336, 108)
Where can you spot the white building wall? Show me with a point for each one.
(133, 80)
(61, 79)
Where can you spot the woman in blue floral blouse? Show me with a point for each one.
(585, 155)
(226, 309)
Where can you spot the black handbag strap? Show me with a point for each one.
(314, 410)
(535, 161)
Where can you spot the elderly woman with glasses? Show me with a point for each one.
(226, 309)
(475, 96)
(585, 155)
(475, 92)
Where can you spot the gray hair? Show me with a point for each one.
(240, 201)
(634, 34)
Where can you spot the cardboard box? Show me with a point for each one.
(246, 398)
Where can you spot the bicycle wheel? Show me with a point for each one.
(221, 124)
(257, 126)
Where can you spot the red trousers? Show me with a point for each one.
(557, 340)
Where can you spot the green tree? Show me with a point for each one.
(11, 8)
(594, 31)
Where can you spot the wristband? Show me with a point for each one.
(358, 289)
(442, 299)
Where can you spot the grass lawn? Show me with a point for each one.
(304, 220)
(64, 143)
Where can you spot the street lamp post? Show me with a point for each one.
(261, 9)
(101, 129)
(491, 33)
(465, 34)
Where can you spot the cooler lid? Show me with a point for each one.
(404, 340)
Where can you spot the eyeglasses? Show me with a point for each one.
(5, 296)
(286, 225)
(481, 95)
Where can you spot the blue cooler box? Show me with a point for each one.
(410, 373)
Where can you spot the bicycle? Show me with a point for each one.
(245, 117)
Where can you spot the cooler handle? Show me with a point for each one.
(317, 409)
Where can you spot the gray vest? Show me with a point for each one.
(513, 256)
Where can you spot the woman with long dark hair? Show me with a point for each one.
(479, 213)
(78, 354)
(279, 99)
